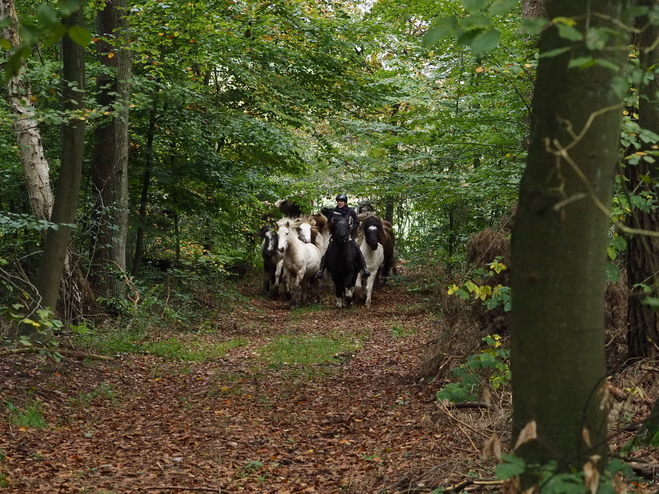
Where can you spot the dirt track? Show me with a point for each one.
(363, 423)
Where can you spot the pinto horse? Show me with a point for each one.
(342, 259)
(300, 261)
(385, 236)
(271, 258)
(373, 252)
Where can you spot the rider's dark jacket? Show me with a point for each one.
(346, 213)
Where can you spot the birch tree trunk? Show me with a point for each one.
(559, 243)
(35, 165)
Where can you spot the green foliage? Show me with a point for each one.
(490, 296)
(29, 416)
(491, 365)
(401, 332)
(102, 393)
(140, 342)
(191, 351)
(549, 480)
(299, 349)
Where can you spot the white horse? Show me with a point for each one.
(301, 261)
(373, 255)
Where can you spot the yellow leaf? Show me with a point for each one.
(110, 55)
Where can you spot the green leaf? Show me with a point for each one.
(439, 29)
(533, 26)
(568, 32)
(477, 20)
(554, 53)
(485, 42)
(80, 35)
(68, 7)
(500, 7)
(652, 302)
(47, 15)
(474, 5)
(582, 62)
(436, 34)
(512, 466)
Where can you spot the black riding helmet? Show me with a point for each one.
(342, 197)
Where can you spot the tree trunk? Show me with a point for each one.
(30, 146)
(110, 171)
(146, 179)
(52, 262)
(559, 245)
(532, 9)
(643, 252)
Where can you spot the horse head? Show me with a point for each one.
(283, 230)
(304, 231)
(269, 240)
(372, 227)
(340, 230)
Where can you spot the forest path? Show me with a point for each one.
(361, 423)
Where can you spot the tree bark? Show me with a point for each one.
(110, 170)
(30, 145)
(559, 244)
(146, 180)
(52, 262)
(532, 9)
(643, 252)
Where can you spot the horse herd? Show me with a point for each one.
(292, 248)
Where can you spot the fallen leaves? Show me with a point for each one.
(236, 425)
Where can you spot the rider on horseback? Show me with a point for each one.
(342, 211)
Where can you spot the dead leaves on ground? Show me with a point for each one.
(235, 425)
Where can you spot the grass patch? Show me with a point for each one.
(101, 393)
(29, 417)
(306, 350)
(398, 331)
(4, 480)
(137, 342)
(192, 351)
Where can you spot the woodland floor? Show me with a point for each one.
(363, 423)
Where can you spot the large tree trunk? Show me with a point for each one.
(52, 262)
(30, 146)
(559, 245)
(643, 252)
(110, 171)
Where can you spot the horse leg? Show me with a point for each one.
(347, 290)
(296, 291)
(369, 288)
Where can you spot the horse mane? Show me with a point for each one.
(373, 220)
(264, 229)
(320, 221)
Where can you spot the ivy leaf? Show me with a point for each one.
(485, 42)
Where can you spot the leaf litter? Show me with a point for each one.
(362, 423)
